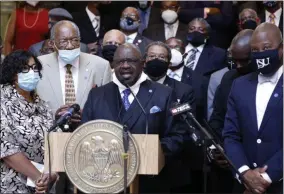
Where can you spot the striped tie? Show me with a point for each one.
(272, 18)
(191, 59)
(70, 97)
(125, 98)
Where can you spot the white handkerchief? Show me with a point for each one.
(40, 167)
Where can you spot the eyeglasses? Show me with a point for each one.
(132, 16)
(152, 56)
(27, 68)
(64, 42)
(131, 62)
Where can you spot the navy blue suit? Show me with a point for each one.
(105, 103)
(244, 143)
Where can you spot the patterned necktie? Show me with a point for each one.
(170, 31)
(191, 59)
(125, 99)
(70, 97)
(272, 18)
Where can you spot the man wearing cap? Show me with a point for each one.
(55, 15)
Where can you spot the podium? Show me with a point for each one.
(151, 155)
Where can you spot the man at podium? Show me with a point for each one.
(115, 101)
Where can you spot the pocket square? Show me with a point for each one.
(155, 109)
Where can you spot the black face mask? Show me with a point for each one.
(156, 68)
(249, 24)
(108, 52)
(270, 4)
(196, 38)
(266, 62)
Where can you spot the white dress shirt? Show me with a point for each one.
(75, 74)
(135, 88)
(95, 20)
(277, 16)
(188, 49)
(130, 38)
(263, 93)
(168, 32)
(178, 73)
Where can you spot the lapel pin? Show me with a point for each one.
(139, 41)
(276, 95)
(150, 91)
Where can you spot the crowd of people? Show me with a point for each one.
(223, 58)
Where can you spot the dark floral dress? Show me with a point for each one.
(22, 130)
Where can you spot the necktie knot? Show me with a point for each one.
(272, 16)
(68, 68)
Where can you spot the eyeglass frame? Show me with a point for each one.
(67, 42)
(29, 68)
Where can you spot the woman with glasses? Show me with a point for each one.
(24, 119)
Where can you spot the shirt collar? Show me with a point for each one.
(189, 47)
(134, 88)
(145, 11)
(91, 15)
(178, 71)
(273, 79)
(132, 36)
(174, 24)
(276, 13)
(62, 64)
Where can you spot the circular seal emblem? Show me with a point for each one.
(93, 157)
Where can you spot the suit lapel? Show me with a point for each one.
(202, 65)
(185, 78)
(133, 113)
(88, 24)
(275, 98)
(54, 78)
(83, 78)
(111, 94)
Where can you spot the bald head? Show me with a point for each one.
(131, 48)
(242, 40)
(115, 37)
(130, 11)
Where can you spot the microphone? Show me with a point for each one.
(143, 110)
(194, 134)
(66, 116)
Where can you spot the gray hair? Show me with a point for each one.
(159, 43)
(202, 20)
(58, 24)
(247, 9)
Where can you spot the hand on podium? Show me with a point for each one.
(43, 182)
(75, 119)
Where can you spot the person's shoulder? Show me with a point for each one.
(46, 58)
(95, 91)
(94, 59)
(243, 80)
(218, 49)
(160, 88)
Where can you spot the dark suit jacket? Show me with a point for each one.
(88, 34)
(105, 103)
(220, 23)
(141, 42)
(262, 18)
(220, 102)
(244, 143)
(156, 32)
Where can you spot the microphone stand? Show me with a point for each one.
(209, 139)
(125, 137)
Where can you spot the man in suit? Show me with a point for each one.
(157, 61)
(115, 101)
(69, 65)
(272, 13)
(248, 19)
(221, 178)
(219, 14)
(253, 129)
(129, 25)
(170, 26)
(202, 57)
(55, 15)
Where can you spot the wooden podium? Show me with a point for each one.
(151, 155)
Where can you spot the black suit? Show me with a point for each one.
(87, 31)
(156, 32)
(262, 18)
(141, 42)
(105, 103)
(220, 23)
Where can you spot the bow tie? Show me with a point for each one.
(262, 79)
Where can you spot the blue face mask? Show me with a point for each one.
(68, 56)
(128, 24)
(28, 81)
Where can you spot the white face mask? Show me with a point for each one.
(68, 56)
(32, 3)
(169, 16)
(176, 58)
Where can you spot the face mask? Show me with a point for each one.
(32, 3)
(68, 56)
(265, 62)
(169, 16)
(143, 5)
(270, 4)
(128, 24)
(176, 58)
(249, 24)
(108, 52)
(196, 38)
(28, 81)
(156, 68)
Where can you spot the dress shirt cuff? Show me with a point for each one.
(241, 170)
(266, 177)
